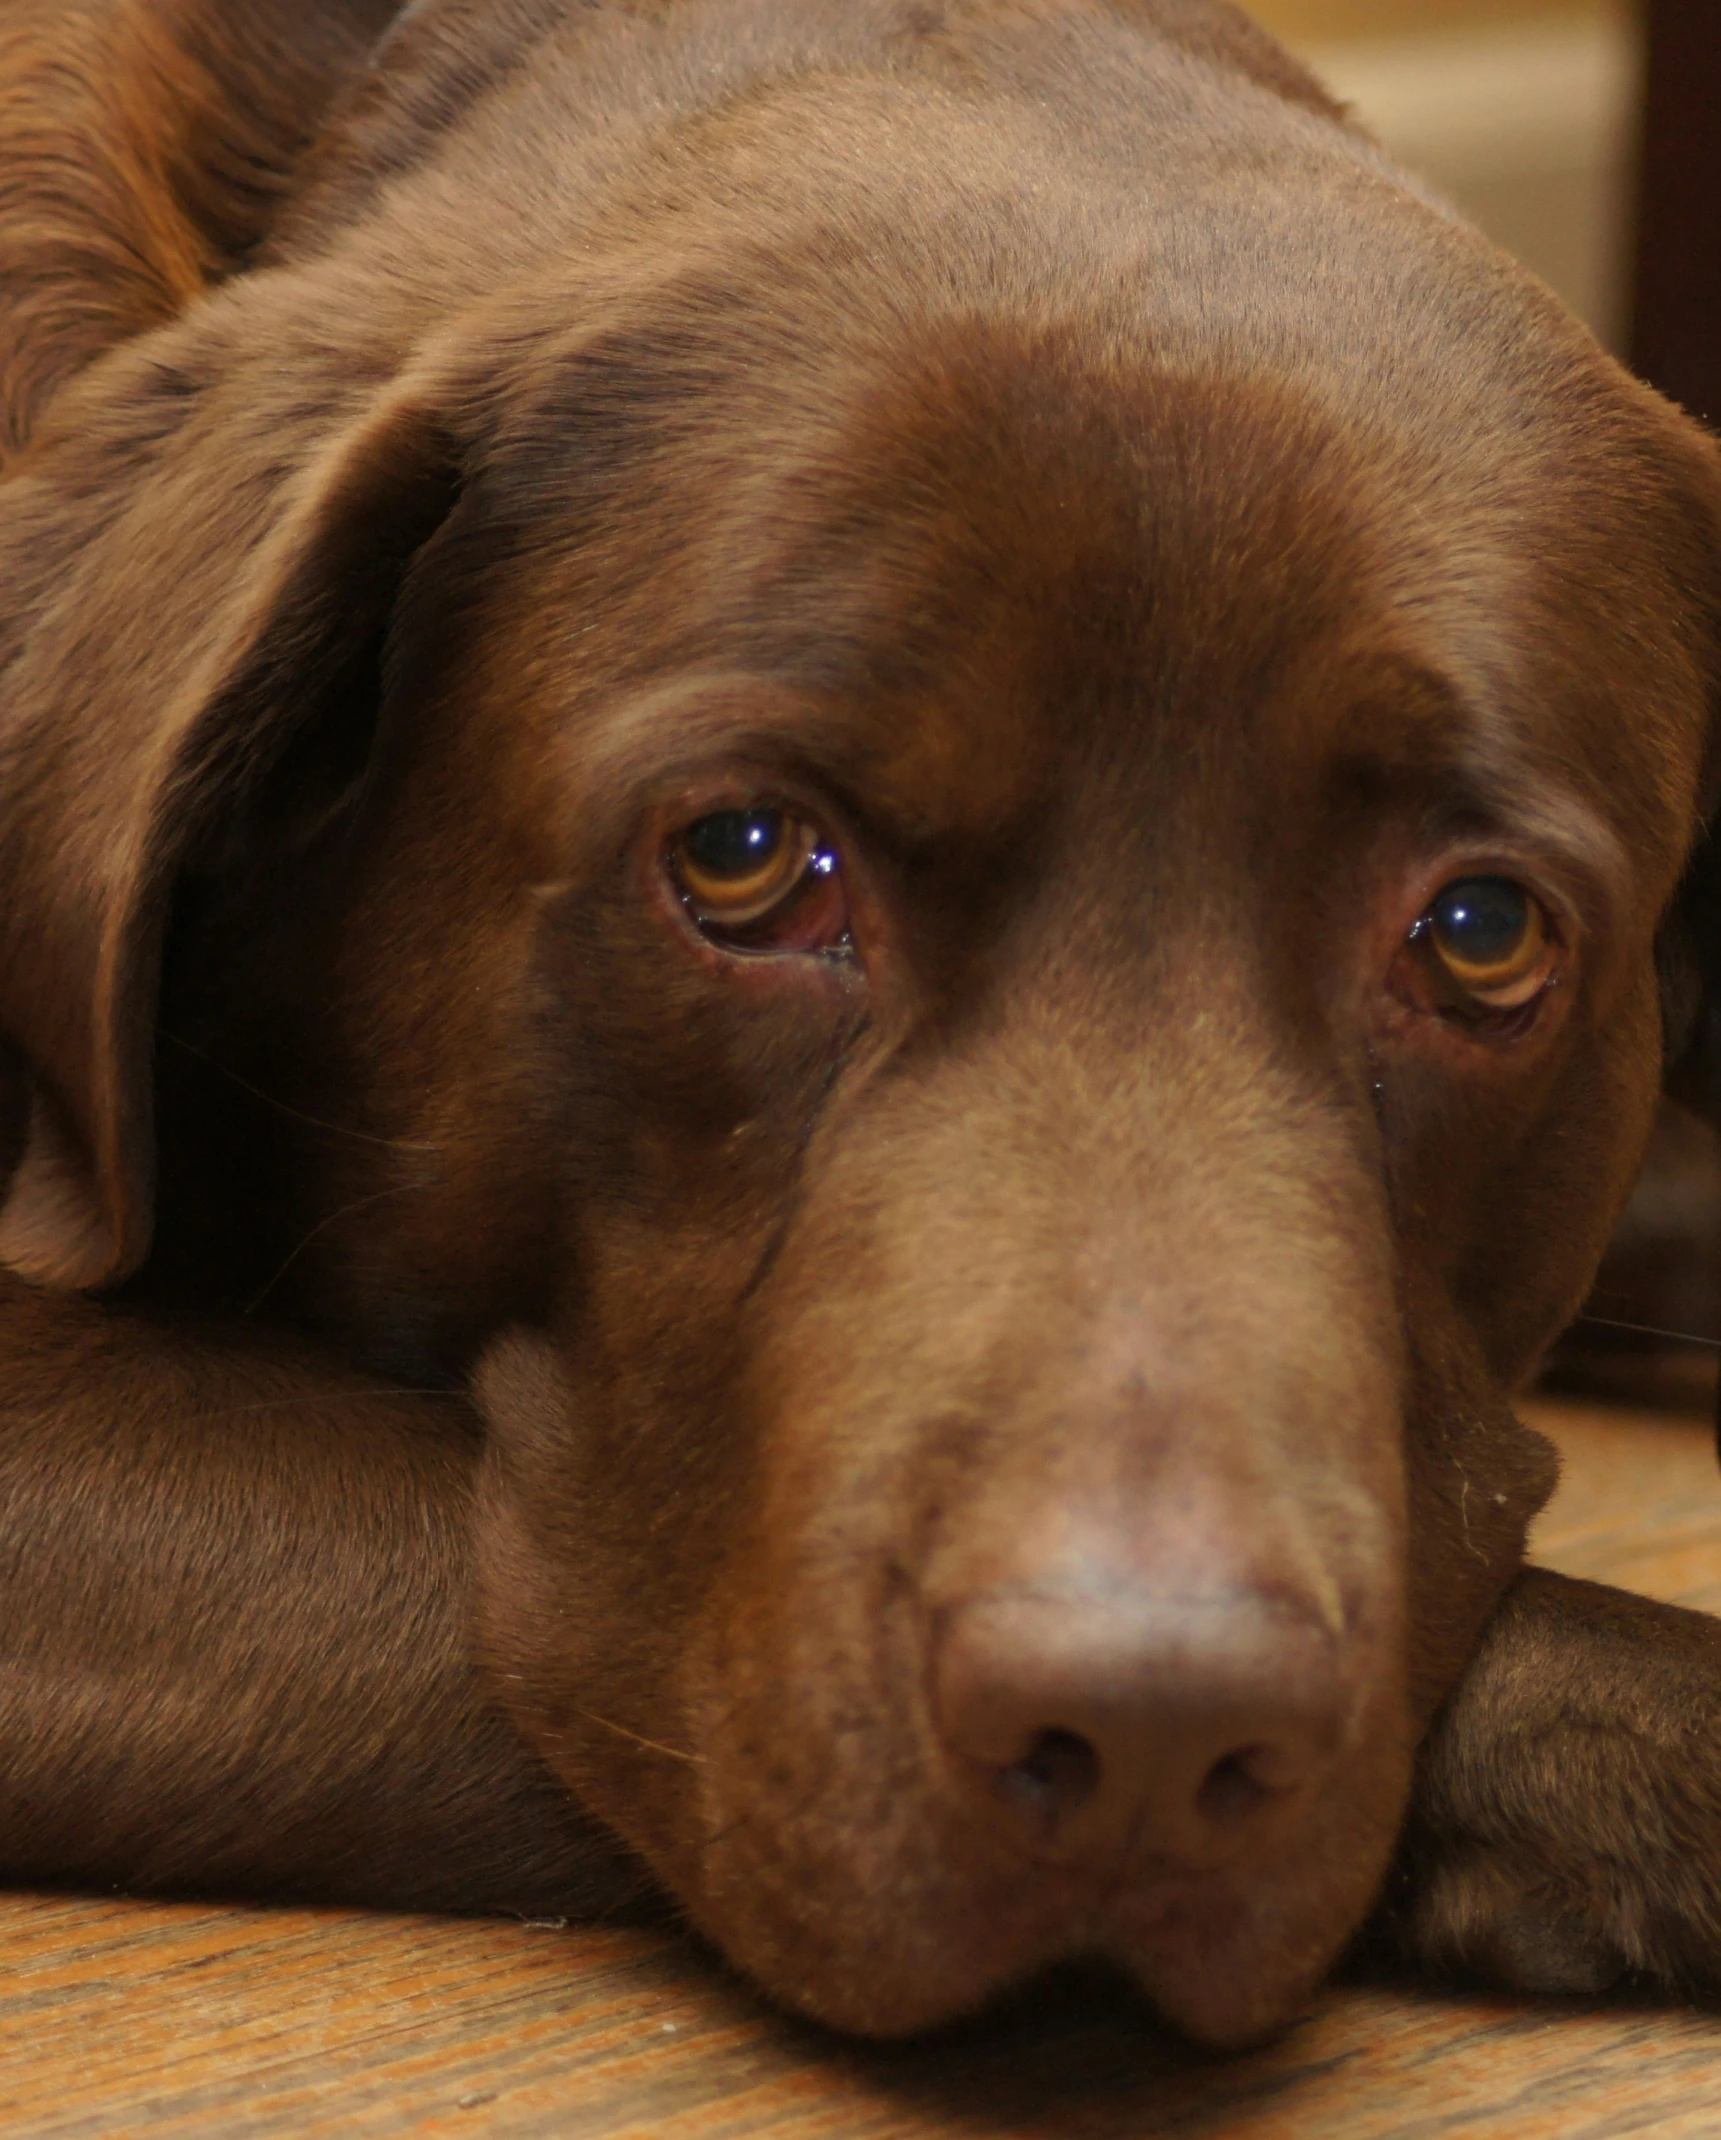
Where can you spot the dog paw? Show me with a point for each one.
(1479, 1915)
(1565, 1833)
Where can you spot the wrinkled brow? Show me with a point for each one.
(1414, 739)
(913, 769)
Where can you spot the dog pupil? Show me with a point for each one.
(1482, 920)
(734, 843)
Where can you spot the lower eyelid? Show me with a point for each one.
(1515, 998)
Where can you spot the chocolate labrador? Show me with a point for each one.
(847, 848)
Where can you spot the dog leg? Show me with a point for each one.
(234, 1650)
(1565, 1834)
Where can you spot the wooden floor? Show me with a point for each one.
(123, 2018)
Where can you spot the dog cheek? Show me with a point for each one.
(585, 1675)
(821, 1866)
(1477, 1476)
(1234, 1978)
(1506, 1190)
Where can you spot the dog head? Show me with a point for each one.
(1009, 891)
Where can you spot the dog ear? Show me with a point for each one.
(195, 597)
(146, 148)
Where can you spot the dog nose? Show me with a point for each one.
(1128, 1725)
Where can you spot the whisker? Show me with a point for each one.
(621, 1731)
(298, 1114)
(1673, 1337)
(408, 1188)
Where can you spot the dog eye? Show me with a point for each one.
(761, 879)
(1491, 937)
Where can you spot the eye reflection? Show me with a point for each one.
(761, 879)
(1490, 936)
(736, 862)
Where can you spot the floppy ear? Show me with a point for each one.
(190, 597)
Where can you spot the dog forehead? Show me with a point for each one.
(1081, 407)
(943, 581)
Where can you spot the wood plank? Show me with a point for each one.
(122, 2018)
(1639, 1503)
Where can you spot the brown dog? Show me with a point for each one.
(832, 858)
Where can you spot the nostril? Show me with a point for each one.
(1056, 1777)
(1234, 1788)
(1190, 1730)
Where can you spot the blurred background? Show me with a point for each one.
(1525, 111)
(1585, 136)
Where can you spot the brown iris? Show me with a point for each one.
(1490, 936)
(761, 879)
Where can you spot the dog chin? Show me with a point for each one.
(1223, 1963)
(1230, 1970)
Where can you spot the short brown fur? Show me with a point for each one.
(508, 1401)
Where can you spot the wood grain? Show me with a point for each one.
(122, 2018)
